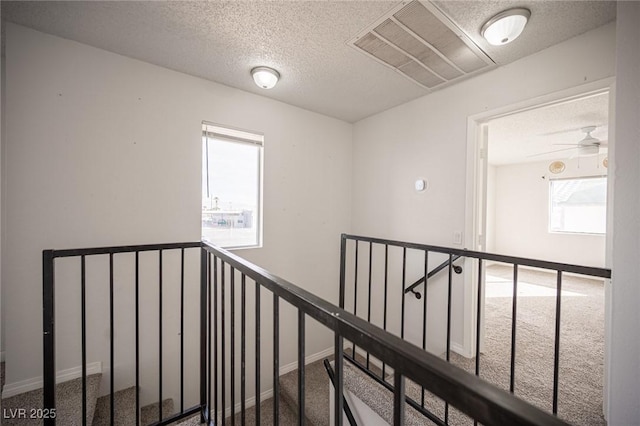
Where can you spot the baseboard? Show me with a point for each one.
(461, 350)
(250, 402)
(13, 389)
(307, 360)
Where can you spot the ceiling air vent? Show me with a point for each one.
(417, 40)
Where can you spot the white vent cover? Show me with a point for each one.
(417, 40)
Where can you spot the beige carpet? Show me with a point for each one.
(68, 399)
(581, 343)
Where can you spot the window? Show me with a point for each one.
(578, 205)
(231, 187)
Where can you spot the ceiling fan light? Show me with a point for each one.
(587, 150)
(265, 77)
(505, 26)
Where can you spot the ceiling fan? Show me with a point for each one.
(587, 146)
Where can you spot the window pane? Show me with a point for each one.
(578, 205)
(231, 192)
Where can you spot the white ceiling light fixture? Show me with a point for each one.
(505, 26)
(265, 77)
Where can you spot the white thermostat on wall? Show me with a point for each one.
(420, 185)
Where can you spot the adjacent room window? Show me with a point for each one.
(231, 187)
(578, 205)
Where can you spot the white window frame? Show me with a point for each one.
(234, 135)
(550, 210)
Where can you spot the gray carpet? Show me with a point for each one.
(68, 400)
(581, 346)
(69, 405)
(124, 409)
(286, 415)
(150, 414)
(316, 395)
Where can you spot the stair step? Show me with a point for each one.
(286, 417)
(316, 393)
(376, 396)
(125, 408)
(149, 413)
(68, 401)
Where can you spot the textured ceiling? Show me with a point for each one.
(304, 41)
(527, 136)
(551, 22)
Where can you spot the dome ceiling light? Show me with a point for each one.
(265, 77)
(506, 26)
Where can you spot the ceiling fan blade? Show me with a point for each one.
(567, 144)
(559, 132)
(576, 129)
(550, 152)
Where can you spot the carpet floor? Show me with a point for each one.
(581, 344)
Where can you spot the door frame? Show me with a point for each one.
(476, 202)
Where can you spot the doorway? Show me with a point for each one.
(531, 170)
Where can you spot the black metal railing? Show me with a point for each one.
(478, 399)
(49, 336)
(351, 258)
(221, 368)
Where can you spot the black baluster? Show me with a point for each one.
(513, 329)
(111, 350)
(424, 315)
(301, 381)
(386, 279)
(243, 337)
(232, 301)
(182, 330)
(276, 359)
(159, 335)
(398, 399)
(369, 294)
(257, 354)
(83, 306)
(355, 294)
(339, 376)
(215, 340)
(222, 341)
(450, 280)
(404, 283)
(556, 353)
(137, 296)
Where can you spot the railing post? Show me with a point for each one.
(343, 254)
(339, 383)
(49, 343)
(398, 399)
(204, 409)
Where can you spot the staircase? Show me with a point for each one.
(218, 270)
(69, 403)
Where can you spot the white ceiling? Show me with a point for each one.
(304, 40)
(526, 136)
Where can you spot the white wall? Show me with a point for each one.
(491, 209)
(623, 341)
(522, 214)
(428, 138)
(2, 128)
(102, 149)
